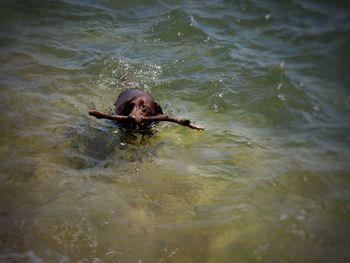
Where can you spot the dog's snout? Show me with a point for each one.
(136, 115)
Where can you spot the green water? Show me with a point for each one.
(267, 181)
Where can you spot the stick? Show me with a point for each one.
(125, 119)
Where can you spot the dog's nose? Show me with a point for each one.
(136, 117)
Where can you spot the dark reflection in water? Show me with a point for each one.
(106, 146)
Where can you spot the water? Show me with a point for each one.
(268, 181)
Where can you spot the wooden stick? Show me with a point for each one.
(157, 118)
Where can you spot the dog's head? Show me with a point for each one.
(137, 104)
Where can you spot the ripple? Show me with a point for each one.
(175, 26)
(28, 256)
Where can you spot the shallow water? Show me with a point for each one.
(267, 181)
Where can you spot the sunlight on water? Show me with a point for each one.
(267, 181)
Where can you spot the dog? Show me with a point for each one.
(137, 104)
(137, 110)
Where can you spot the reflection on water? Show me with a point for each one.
(266, 181)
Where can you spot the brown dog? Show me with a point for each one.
(137, 104)
(136, 109)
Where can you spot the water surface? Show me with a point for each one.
(268, 181)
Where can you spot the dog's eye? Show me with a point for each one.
(143, 108)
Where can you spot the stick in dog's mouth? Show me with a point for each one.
(157, 118)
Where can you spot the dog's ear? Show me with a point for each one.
(159, 110)
(124, 108)
(127, 108)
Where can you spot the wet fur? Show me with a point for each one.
(137, 104)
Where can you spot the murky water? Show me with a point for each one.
(268, 181)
